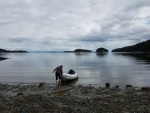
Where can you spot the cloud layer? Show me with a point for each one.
(68, 24)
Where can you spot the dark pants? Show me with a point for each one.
(58, 76)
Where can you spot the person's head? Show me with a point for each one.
(61, 66)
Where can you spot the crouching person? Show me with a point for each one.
(58, 73)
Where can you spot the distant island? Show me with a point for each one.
(101, 50)
(140, 47)
(82, 50)
(12, 51)
(68, 51)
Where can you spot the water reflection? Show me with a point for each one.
(138, 56)
(117, 69)
(101, 54)
(3, 54)
(82, 53)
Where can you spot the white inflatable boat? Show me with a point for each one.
(67, 76)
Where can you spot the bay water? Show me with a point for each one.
(92, 68)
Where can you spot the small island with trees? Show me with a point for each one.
(101, 50)
(82, 50)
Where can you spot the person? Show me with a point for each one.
(58, 74)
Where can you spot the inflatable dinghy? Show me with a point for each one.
(68, 76)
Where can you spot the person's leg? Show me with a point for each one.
(57, 79)
(60, 81)
(57, 82)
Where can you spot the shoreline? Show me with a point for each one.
(43, 97)
(73, 82)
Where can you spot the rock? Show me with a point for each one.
(41, 84)
(83, 102)
(145, 88)
(107, 85)
(128, 86)
(2, 58)
(20, 93)
(117, 86)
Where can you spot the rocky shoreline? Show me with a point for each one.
(2, 58)
(48, 98)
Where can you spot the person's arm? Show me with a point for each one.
(54, 70)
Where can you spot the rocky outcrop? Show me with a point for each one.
(2, 58)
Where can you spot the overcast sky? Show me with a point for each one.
(72, 24)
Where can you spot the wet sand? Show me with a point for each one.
(48, 98)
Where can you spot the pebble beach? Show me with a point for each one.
(48, 98)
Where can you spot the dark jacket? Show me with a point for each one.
(58, 70)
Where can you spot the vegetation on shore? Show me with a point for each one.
(12, 51)
(140, 47)
(101, 50)
(68, 51)
(82, 50)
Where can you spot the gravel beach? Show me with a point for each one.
(48, 98)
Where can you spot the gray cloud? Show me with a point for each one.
(20, 40)
(137, 4)
(49, 24)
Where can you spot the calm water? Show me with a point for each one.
(92, 68)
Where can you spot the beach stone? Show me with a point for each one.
(107, 85)
(145, 88)
(20, 93)
(41, 84)
(117, 86)
(128, 86)
(125, 112)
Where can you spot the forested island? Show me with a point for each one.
(101, 50)
(82, 50)
(12, 51)
(140, 47)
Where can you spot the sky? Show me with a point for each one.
(72, 24)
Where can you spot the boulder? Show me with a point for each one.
(107, 85)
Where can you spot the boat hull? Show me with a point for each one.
(67, 76)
